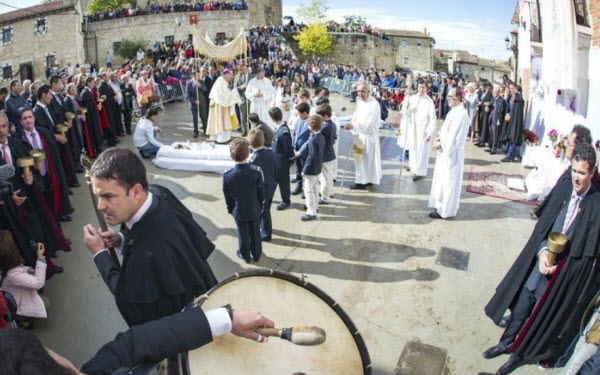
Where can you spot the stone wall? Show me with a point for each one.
(413, 53)
(63, 40)
(472, 71)
(594, 20)
(155, 27)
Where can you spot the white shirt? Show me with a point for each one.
(219, 321)
(144, 133)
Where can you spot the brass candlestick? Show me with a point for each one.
(25, 163)
(557, 243)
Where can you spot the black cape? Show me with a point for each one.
(164, 261)
(552, 327)
(514, 130)
(112, 108)
(92, 119)
(75, 134)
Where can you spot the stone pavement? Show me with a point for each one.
(373, 251)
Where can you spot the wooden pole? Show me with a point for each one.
(197, 89)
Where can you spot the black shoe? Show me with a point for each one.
(256, 259)
(195, 134)
(59, 269)
(493, 352)
(128, 132)
(79, 169)
(492, 152)
(77, 184)
(435, 215)
(480, 145)
(308, 217)
(297, 179)
(244, 134)
(507, 160)
(358, 187)
(111, 143)
(282, 206)
(265, 238)
(239, 255)
(503, 323)
(303, 196)
(322, 202)
(70, 192)
(66, 218)
(417, 178)
(370, 184)
(488, 150)
(297, 190)
(511, 365)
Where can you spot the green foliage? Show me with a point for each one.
(352, 20)
(314, 40)
(129, 48)
(97, 6)
(314, 12)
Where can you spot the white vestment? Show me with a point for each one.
(365, 121)
(260, 104)
(405, 130)
(471, 102)
(422, 124)
(449, 164)
(221, 111)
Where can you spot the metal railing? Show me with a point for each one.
(337, 85)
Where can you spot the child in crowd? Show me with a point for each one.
(329, 132)
(264, 158)
(284, 153)
(313, 156)
(244, 190)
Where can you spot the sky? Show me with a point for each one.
(478, 26)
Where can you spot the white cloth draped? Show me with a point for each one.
(365, 123)
(449, 164)
(422, 122)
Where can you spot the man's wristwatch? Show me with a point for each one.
(229, 311)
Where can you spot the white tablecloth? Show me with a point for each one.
(547, 170)
(200, 157)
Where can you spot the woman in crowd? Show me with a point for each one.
(144, 89)
(21, 281)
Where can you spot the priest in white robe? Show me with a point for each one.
(449, 164)
(422, 124)
(405, 130)
(365, 128)
(261, 93)
(221, 114)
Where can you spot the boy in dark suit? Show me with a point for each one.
(264, 158)
(313, 154)
(329, 132)
(299, 138)
(284, 152)
(244, 190)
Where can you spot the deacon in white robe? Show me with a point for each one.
(221, 114)
(422, 123)
(365, 128)
(449, 164)
(405, 133)
(261, 93)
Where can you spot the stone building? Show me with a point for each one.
(414, 49)
(471, 66)
(55, 33)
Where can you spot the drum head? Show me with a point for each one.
(288, 301)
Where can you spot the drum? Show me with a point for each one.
(288, 301)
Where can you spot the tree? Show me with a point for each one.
(352, 20)
(97, 6)
(129, 47)
(314, 40)
(314, 12)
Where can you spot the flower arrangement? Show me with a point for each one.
(560, 149)
(530, 137)
(553, 135)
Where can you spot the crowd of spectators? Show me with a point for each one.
(337, 28)
(167, 8)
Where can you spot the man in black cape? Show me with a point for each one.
(162, 270)
(92, 118)
(498, 113)
(75, 134)
(111, 105)
(547, 301)
(514, 131)
(485, 115)
(56, 188)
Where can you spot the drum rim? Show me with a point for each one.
(300, 281)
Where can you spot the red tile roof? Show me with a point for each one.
(35, 11)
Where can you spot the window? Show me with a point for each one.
(403, 42)
(40, 26)
(169, 39)
(482, 68)
(406, 61)
(7, 72)
(7, 35)
(116, 47)
(50, 60)
(418, 44)
(581, 12)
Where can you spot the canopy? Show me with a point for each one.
(229, 51)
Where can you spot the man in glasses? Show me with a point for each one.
(365, 128)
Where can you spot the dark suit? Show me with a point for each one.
(265, 159)
(45, 119)
(75, 134)
(152, 342)
(200, 93)
(267, 132)
(242, 108)
(313, 154)
(484, 118)
(244, 190)
(56, 106)
(284, 152)
(129, 95)
(329, 132)
(299, 138)
(498, 112)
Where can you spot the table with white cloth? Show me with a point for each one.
(194, 157)
(547, 170)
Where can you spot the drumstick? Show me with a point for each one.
(301, 335)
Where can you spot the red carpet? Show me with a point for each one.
(487, 181)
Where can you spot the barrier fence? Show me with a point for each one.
(166, 94)
(337, 85)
